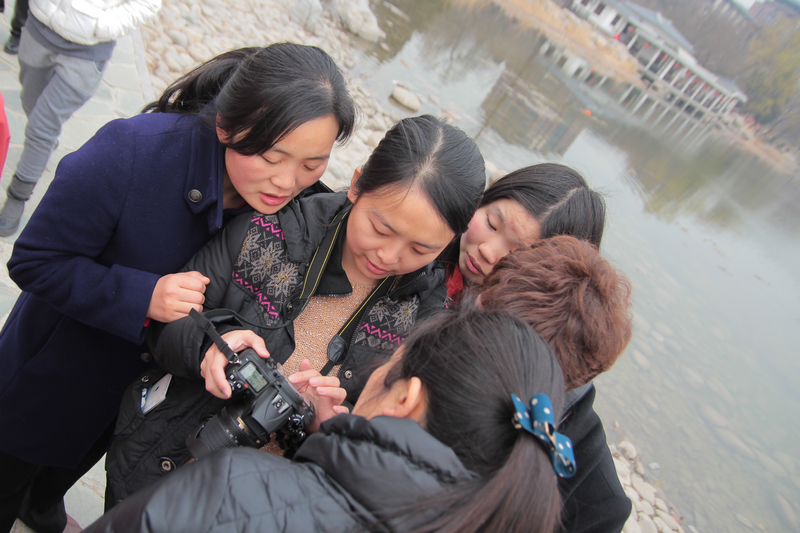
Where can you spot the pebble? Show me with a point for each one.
(623, 471)
(406, 98)
(668, 519)
(647, 508)
(646, 524)
(786, 512)
(713, 417)
(645, 490)
(374, 138)
(628, 450)
(632, 525)
(661, 526)
(640, 359)
(661, 505)
(770, 464)
(744, 520)
(634, 497)
(178, 37)
(654, 466)
(734, 442)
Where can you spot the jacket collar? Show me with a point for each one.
(384, 462)
(205, 178)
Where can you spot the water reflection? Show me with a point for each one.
(707, 233)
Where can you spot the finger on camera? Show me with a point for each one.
(333, 393)
(324, 381)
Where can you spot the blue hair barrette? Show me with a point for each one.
(538, 420)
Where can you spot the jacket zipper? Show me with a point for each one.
(362, 320)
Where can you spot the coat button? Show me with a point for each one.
(146, 357)
(145, 379)
(348, 374)
(195, 196)
(166, 464)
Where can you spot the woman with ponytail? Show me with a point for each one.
(436, 442)
(250, 129)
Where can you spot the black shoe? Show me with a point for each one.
(10, 216)
(12, 45)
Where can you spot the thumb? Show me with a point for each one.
(305, 364)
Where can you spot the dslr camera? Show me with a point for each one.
(264, 403)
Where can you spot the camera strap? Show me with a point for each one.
(319, 260)
(338, 345)
(213, 334)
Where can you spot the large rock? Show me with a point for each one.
(358, 18)
(406, 98)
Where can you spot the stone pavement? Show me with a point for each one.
(124, 91)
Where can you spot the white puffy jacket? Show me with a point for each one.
(93, 21)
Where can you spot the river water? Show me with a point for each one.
(707, 233)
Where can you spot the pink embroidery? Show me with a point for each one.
(383, 335)
(262, 299)
(258, 219)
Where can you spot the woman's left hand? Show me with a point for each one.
(323, 392)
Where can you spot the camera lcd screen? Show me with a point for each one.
(253, 377)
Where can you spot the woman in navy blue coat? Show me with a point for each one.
(125, 211)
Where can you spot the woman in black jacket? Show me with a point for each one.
(357, 269)
(436, 442)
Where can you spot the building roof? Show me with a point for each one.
(660, 24)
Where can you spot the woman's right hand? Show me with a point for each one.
(213, 366)
(175, 295)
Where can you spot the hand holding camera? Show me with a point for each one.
(323, 392)
(214, 363)
(265, 403)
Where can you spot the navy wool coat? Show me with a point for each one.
(133, 204)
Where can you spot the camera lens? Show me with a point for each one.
(223, 430)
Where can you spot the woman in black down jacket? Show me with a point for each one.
(433, 444)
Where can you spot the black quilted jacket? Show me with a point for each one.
(352, 473)
(257, 266)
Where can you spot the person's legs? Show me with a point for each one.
(17, 22)
(17, 476)
(54, 86)
(43, 507)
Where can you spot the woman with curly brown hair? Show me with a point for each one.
(580, 305)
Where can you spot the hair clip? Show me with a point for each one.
(538, 420)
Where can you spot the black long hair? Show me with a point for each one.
(557, 197)
(438, 158)
(259, 95)
(470, 361)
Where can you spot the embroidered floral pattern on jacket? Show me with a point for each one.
(263, 268)
(387, 323)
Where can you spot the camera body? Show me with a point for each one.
(264, 402)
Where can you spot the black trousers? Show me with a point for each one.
(35, 493)
(18, 21)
